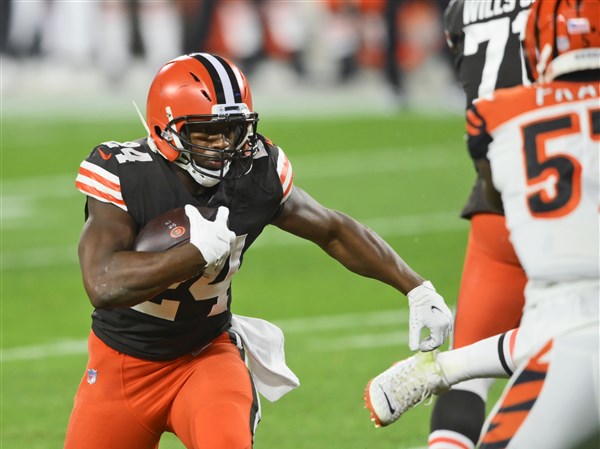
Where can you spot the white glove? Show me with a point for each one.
(212, 238)
(427, 309)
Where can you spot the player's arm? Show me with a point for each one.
(115, 276)
(478, 142)
(354, 245)
(364, 252)
(493, 196)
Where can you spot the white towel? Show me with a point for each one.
(266, 356)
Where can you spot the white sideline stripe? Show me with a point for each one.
(38, 257)
(63, 347)
(292, 325)
(407, 225)
(41, 186)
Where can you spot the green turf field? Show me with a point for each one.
(406, 176)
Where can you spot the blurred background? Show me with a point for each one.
(347, 56)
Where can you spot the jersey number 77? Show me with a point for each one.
(495, 33)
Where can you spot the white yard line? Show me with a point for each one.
(38, 257)
(308, 325)
(35, 352)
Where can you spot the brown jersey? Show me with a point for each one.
(485, 39)
(187, 315)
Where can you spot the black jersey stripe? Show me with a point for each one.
(595, 121)
(255, 407)
(501, 355)
(222, 76)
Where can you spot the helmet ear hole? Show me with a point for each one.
(206, 95)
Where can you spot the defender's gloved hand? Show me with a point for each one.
(212, 238)
(427, 309)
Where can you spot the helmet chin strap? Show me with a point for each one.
(195, 172)
(203, 176)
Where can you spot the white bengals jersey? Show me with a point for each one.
(542, 142)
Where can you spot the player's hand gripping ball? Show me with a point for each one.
(168, 230)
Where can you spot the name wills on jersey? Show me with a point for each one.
(477, 11)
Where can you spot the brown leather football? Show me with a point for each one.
(168, 230)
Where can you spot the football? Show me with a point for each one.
(168, 230)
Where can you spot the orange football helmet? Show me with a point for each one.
(562, 36)
(207, 90)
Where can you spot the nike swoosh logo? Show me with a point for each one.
(392, 409)
(103, 155)
(434, 308)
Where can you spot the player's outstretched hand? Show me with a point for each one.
(427, 309)
(212, 238)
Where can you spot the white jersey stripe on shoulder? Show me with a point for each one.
(284, 168)
(223, 76)
(96, 182)
(84, 180)
(92, 175)
(281, 159)
(286, 174)
(102, 197)
(287, 182)
(99, 191)
(101, 172)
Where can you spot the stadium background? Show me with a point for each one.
(397, 163)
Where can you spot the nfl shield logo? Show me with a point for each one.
(92, 376)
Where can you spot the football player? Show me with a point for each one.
(165, 352)
(485, 40)
(536, 148)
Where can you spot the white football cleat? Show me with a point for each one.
(402, 386)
